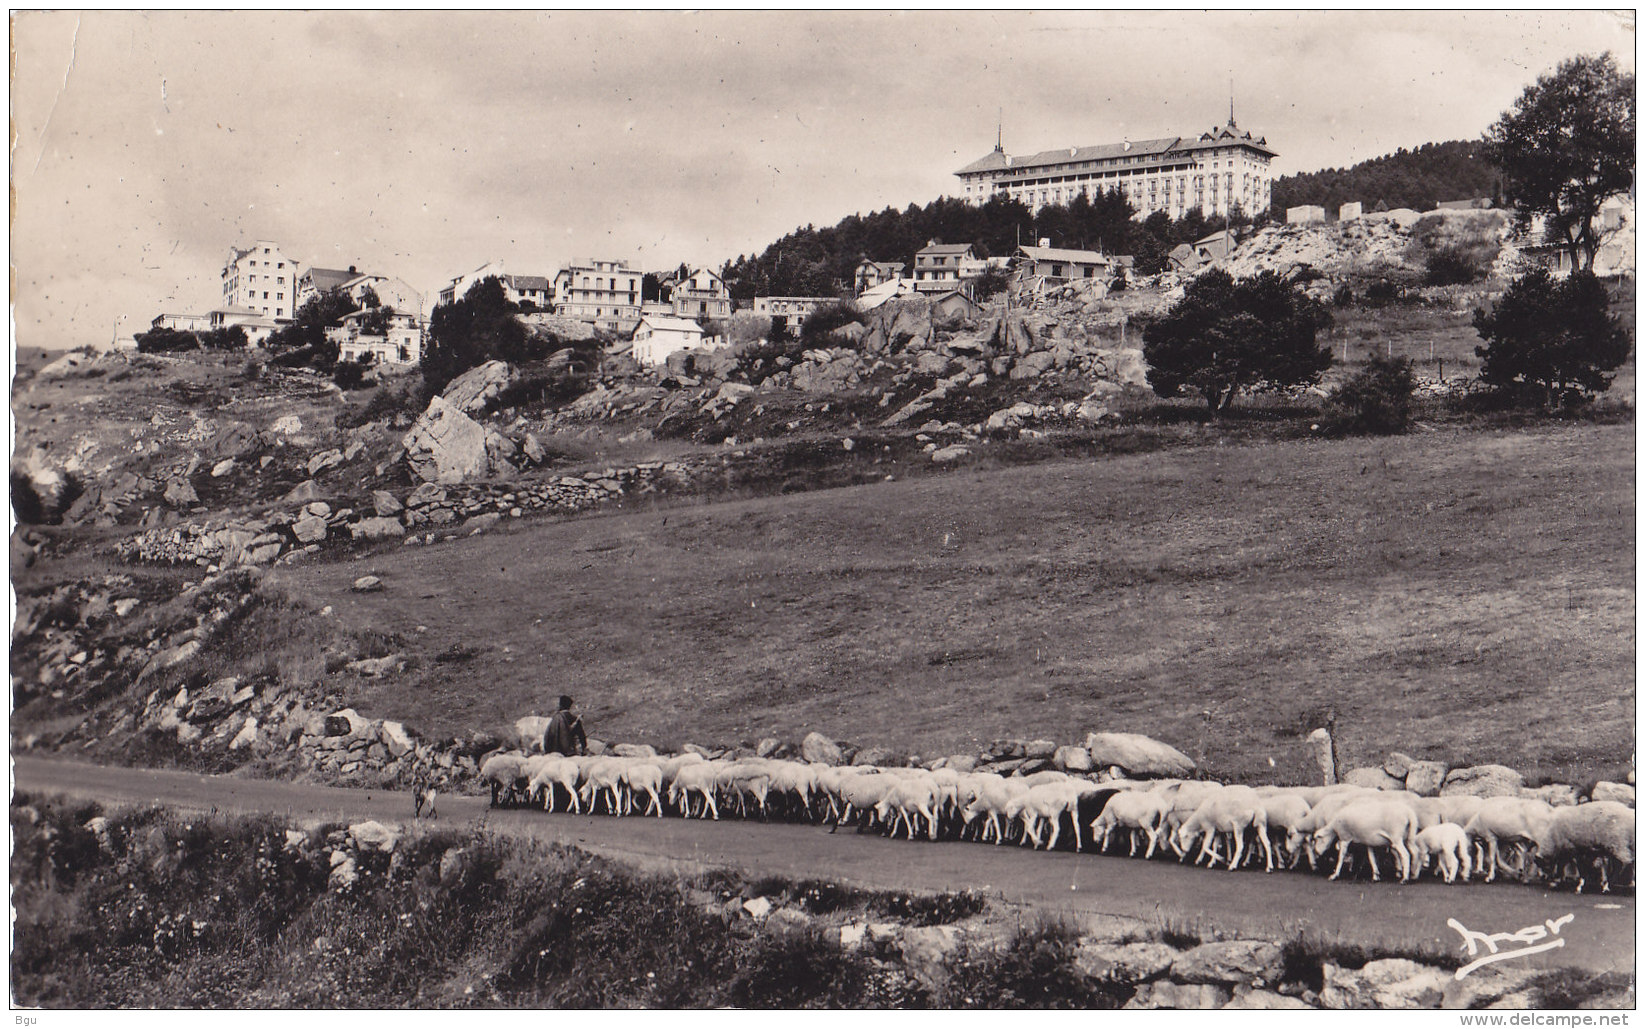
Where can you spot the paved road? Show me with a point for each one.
(1601, 937)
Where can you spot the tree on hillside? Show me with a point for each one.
(1224, 336)
(1553, 339)
(303, 342)
(483, 326)
(1567, 147)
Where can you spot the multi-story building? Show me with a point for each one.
(700, 294)
(657, 336)
(937, 267)
(872, 273)
(529, 291)
(400, 344)
(603, 293)
(1212, 172)
(260, 279)
(390, 292)
(314, 281)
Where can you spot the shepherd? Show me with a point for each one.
(564, 734)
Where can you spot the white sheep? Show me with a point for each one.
(642, 776)
(861, 793)
(557, 770)
(909, 797)
(992, 795)
(746, 778)
(602, 773)
(1284, 810)
(1330, 800)
(505, 771)
(1601, 831)
(1186, 797)
(1135, 811)
(1231, 811)
(1447, 843)
(1516, 820)
(699, 778)
(1375, 824)
(794, 781)
(1048, 801)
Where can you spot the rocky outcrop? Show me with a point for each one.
(819, 749)
(1482, 781)
(472, 391)
(1140, 756)
(447, 446)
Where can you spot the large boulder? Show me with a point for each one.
(309, 529)
(1124, 365)
(1141, 756)
(1482, 781)
(1123, 962)
(373, 835)
(819, 749)
(1179, 996)
(1622, 793)
(376, 528)
(446, 446)
(925, 951)
(232, 440)
(1396, 983)
(471, 391)
(1424, 778)
(1231, 961)
(1373, 778)
(1072, 759)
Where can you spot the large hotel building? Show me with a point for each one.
(1212, 172)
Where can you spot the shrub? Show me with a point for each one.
(990, 283)
(1344, 296)
(350, 374)
(231, 338)
(1451, 266)
(166, 341)
(1551, 341)
(1376, 400)
(820, 323)
(1383, 292)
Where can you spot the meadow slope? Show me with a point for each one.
(1463, 595)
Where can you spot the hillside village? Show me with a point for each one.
(232, 464)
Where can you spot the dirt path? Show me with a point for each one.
(1601, 938)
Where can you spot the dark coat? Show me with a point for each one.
(565, 735)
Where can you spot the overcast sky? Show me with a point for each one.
(424, 144)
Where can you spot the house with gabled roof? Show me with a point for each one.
(657, 336)
(937, 266)
(871, 273)
(700, 294)
(1061, 265)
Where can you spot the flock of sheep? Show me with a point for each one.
(1275, 826)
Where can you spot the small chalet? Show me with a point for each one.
(1058, 265)
(657, 336)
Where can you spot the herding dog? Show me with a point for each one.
(422, 795)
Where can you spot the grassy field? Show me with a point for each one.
(1462, 595)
